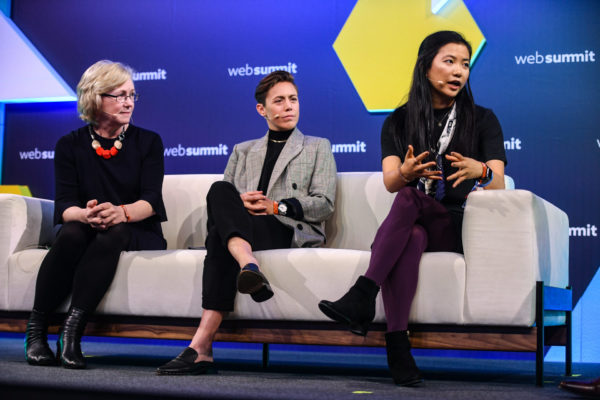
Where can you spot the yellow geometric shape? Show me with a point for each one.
(23, 190)
(379, 42)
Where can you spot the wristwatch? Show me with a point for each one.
(281, 208)
(487, 175)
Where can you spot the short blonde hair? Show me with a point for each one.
(100, 78)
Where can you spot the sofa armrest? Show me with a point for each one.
(511, 239)
(25, 222)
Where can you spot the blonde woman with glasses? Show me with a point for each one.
(108, 199)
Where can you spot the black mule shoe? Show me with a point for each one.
(37, 350)
(356, 308)
(251, 281)
(69, 341)
(587, 389)
(184, 364)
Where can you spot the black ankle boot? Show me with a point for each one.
(401, 363)
(356, 308)
(69, 341)
(37, 351)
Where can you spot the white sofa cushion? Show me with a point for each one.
(185, 201)
(169, 283)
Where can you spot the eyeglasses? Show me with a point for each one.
(121, 98)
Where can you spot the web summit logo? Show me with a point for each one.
(586, 231)
(158, 75)
(182, 151)
(560, 58)
(358, 147)
(249, 70)
(36, 154)
(513, 144)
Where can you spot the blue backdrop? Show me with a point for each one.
(198, 63)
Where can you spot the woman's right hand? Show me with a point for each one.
(397, 174)
(413, 168)
(85, 215)
(90, 216)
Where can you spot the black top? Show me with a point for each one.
(277, 141)
(491, 147)
(135, 173)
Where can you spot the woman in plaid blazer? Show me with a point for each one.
(277, 192)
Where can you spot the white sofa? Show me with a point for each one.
(512, 239)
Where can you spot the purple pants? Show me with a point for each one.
(416, 223)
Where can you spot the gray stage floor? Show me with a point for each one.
(126, 368)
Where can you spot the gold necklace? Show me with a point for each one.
(439, 123)
(114, 150)
(278, 141)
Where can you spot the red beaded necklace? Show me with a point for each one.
(114, 150)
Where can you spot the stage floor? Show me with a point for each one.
(124, 369)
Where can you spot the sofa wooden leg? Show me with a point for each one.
(265, 355)
(539, 323)
(568, 345)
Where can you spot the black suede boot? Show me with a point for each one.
(69, 341)
(401, 363)
(356, 308)
(37, 351)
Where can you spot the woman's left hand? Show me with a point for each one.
(110, 215)
(468, 168)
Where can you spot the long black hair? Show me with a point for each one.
(419, 120)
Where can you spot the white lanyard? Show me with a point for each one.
(429, 185)
(447, 133)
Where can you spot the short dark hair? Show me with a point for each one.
(269, 81)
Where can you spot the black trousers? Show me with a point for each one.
(227, 218)
(82, 260)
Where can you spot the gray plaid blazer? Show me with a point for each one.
(305, 170)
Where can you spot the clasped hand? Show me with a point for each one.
(414, 168)
(103, 216)
(257, 203)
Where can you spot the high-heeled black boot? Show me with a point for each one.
(356, 308)
(69, 341)
(401, 363)
(37, 351)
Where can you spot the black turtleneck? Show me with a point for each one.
(277, 140)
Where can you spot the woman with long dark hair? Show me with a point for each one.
(436, 149)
